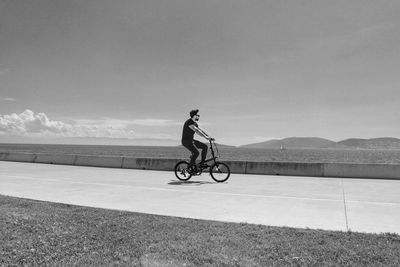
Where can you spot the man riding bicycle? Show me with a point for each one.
(189, 129)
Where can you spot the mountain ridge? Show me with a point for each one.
(317, 142)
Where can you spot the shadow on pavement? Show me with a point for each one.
(189, 182)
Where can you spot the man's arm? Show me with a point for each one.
(200, 132)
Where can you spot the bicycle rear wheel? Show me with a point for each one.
(220, 172)
(181, 171)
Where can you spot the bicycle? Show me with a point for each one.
(219, 171)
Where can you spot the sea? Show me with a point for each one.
(225, 153)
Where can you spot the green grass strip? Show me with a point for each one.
(41, 233)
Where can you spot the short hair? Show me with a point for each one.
(193, 112)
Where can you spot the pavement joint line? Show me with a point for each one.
(344, 205)
(206, 192)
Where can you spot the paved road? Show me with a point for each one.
(361, 205)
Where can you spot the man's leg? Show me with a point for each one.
(193, 149)
(204, 149)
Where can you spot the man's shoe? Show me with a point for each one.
(192, 169)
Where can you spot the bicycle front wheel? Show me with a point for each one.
(220, 172)
(181, 171)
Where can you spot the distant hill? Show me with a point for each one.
(375, 143)
(224, 146)
(295, 142)
(316, 142)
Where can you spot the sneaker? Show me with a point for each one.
(192, 169)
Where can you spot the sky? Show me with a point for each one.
(257, 69)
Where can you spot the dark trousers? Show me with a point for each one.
(192, 146)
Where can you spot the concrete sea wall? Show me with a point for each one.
(344, 170)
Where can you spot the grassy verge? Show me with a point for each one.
(42, 233)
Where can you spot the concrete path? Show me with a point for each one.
(361, 205)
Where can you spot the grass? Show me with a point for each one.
(42, 233)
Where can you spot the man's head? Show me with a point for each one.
(194, 114)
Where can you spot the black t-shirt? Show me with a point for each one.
(187, 133)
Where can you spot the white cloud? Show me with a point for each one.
(8, 99)
(33, 124)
